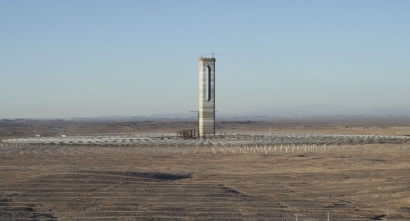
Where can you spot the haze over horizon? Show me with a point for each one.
(62, 59)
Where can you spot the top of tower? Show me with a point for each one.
(207, 59)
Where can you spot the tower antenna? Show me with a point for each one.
(213, 54)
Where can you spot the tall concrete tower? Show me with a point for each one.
(206, 96)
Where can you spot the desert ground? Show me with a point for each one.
(368, 180)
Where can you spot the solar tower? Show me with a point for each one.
(206, 96)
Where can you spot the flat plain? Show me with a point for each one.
(365, 181)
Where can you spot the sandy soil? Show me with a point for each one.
(350, 182)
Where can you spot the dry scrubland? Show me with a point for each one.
(337, 125)
(350, 182)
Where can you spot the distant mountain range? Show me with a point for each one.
(332, 110)
(312, 110)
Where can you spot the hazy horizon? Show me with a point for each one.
(63, 59)
(305, 111)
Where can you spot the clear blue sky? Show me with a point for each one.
(104, 58)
